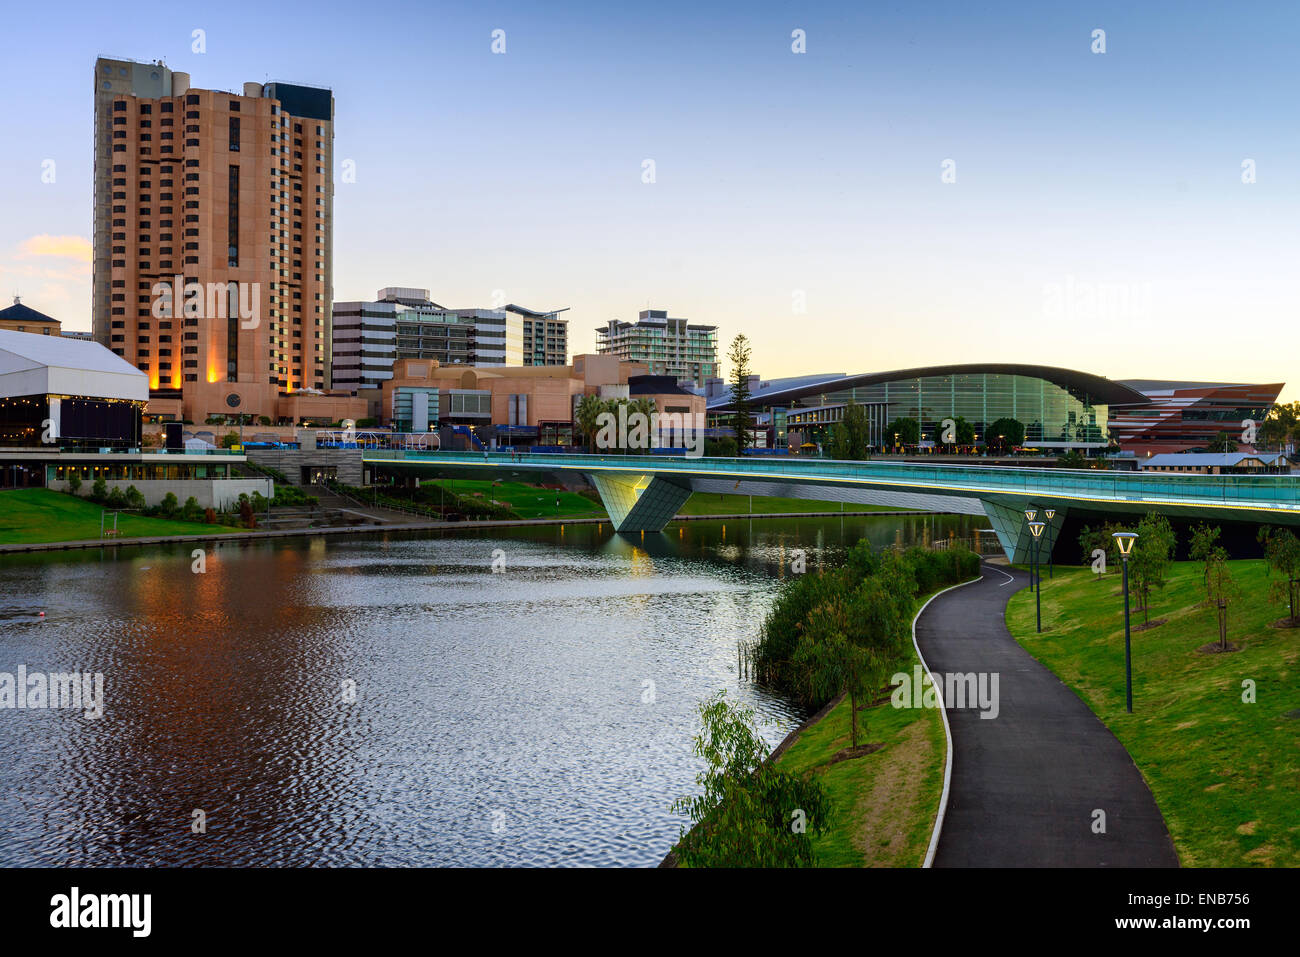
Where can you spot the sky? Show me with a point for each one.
(926, 183)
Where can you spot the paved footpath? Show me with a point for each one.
(1026, 783)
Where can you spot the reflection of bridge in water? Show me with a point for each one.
(644, 492)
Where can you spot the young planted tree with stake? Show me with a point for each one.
(1282, 551)
(1151, 558)
(1202, 547)
(1221, 590)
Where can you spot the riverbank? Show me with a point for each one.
(1213, 733)
(885, 805)
(354, 530)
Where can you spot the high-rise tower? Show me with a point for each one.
(213, 237)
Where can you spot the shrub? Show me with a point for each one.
(169, 505)
(230, 440)
(191, 512)
(74, 483)
(264, 419)
(871, 596)
(134, 498)
(99, 491)
(210, 515)
(116, 498)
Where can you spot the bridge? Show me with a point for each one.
(644, 492)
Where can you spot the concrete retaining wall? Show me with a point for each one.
(209, 493)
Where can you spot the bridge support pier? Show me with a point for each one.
(637, 502)
(1012, 528)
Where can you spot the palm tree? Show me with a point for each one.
(587, 418)
(646, 407)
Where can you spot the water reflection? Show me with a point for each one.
(541, 715)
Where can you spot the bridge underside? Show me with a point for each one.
(646, 501)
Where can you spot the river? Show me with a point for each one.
(389, 700)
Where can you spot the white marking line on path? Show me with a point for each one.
(947, 731)
(994, 568)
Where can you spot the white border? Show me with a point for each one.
(943, 711)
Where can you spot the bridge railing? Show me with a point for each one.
(1275, 491)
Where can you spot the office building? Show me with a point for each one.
(213, 237)
(405, 323)
(676, 347)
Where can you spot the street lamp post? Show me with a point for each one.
(1051, 514)
(1030, 515)
(1036, 529)
(1125, 541)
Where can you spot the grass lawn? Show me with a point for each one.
(528, 501)
(1225, 773)
(33, 515)
(883, 804)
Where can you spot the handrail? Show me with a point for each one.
(1270, 490)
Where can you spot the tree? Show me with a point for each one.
(1150, 559)
(1004, 434)
(1220, 590)
(725, 447)
(116, 498)
(831, 656)
(191, 512)
(1091, 539)
(99, 491)
(1222, 443)
(903, 431)
(638, 439)
(830, 664)
(169, 506)
(74, 483)
(965, 431)
(851, 437)
(751, 813)
(1279, 427)
(1071, 460)
(1201, 547)
(230, 440)
(742, 422)
(1282, 552)
(586, 418)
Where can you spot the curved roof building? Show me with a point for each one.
(1060, 408)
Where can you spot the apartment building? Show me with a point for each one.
(673, 347)
(213, 238)
(546, 336)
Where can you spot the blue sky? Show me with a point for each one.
(1098, 217)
